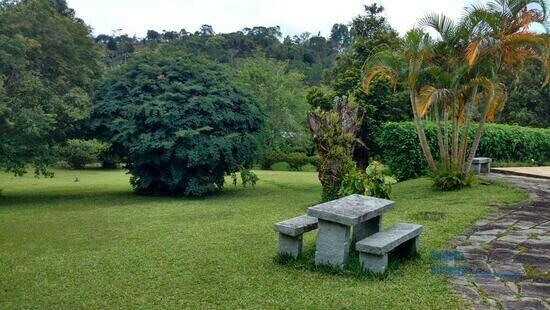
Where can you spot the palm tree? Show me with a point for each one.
(405, 65)
(502, 41)
(460, 71)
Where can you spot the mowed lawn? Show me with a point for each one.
(94, 244)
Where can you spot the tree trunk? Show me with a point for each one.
(446, 136)
(455, 132)
(466, 129)
(422, 135)
(477, 138)
(442, 149)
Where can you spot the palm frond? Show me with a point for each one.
(444, 25)
(472, 51)
(500, 96)
(429, 96)
(388, 73)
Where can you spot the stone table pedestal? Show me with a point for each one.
(336, 218)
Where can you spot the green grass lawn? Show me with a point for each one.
(93, 243)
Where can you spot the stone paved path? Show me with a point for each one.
(507, 254)
(540, 172)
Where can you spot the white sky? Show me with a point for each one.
(293, 16)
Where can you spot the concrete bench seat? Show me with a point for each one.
(373, 250)
(481, 165)
(291, 231)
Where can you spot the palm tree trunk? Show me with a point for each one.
(466, 129)
(442, 149)
(446, 135)
(422, 135)
(477, 138)
(454, 138)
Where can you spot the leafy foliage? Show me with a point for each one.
(377, 183)
(248, 177)
(181, 121)
(372, 181)
(312, 55)
(528, 101)
(404, 157)
(280, 94)
(79, 152)
(370, 32)
(48, 64)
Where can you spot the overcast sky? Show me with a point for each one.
(293, 16)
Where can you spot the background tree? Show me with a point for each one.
(48, 66)
(181, 121)
(280, 94)
(368, 33)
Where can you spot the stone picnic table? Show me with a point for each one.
(336, 220)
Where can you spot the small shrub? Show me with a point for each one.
(377, 183)
(247, 177)
(449, 179)
(353, 181)
(308, 168)
(281, 166)
(373, 181)
(78, 152)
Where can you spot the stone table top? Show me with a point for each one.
(351, 210)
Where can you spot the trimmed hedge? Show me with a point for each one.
(295, 160)
(402, 153)
(281, 166)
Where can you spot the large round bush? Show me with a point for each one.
(181, 122)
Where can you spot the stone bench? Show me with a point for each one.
(481, 165)
(373, 250)
(291, 231)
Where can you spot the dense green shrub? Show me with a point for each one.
(281, 166)
(401, 150)
(77, 153)
(308, 168)
(181, 121)
(295, 160)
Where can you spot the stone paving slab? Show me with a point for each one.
(507, 253)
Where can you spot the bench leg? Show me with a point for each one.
(333, 241)
(485, 168)
(411, 247)
(365, 229)
(476, 168)
(373, 263)
(291, 246)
